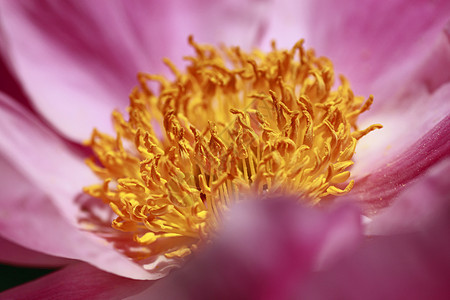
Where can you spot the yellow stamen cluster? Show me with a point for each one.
(232, 123)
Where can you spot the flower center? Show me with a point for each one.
(234, 123)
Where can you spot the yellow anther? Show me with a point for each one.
(178, 253)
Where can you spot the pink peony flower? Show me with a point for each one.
(67, 65)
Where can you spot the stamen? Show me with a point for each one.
(233, 123)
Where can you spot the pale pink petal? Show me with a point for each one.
(419, 104)
(403, 126)
(397, 50)
(343, 235)
(420, 74)
(78, 60)
(40, 183)
(77, 281)
(42, 157)
(29, 218)
(417, 206)
(404, 266)
(368, 39)
(14, 254)
(287, 23)
(406, 68)
(265, 250)
(381, 186)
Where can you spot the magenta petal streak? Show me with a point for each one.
(78, 281)
(378, 189)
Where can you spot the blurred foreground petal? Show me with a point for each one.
(265, 251)
(405, 266)
(416, 207)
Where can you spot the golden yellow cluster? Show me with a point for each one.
(233, 124)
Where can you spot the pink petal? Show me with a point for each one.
(14, 254)
(417, 206)
(42, 157)
(78, 60)
(77, 281)
(379, 188)
(288, 23)
(411, 139)
(405, 266)
(403, 126)
(397, 50)
(9, 85)
(30, 219)
(265, 250)
(369, 39)
(419, 104)
(423, 73)
(408, 76)
(41, 179)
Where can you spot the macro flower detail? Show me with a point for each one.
(66, 65)
(234, 125)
